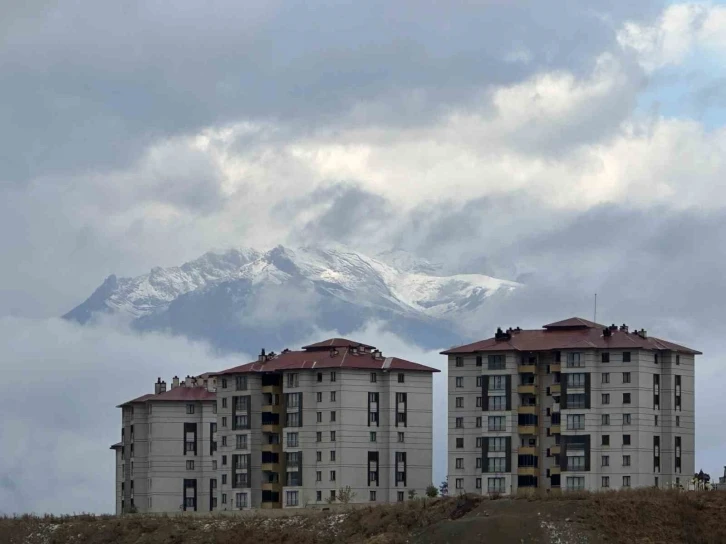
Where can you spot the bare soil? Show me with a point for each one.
(641, 516)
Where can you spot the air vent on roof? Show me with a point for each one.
(501, 335)
(175, 382)
(333, 352)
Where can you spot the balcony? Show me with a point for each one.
(527, 389)
(272, 448)
(555, 470)
(271, 486)
(527, 369)
(555, 450)
(271, 428)
(272, 408)
(555, 429)
(527, 450)
(527, 429)
(556, 389)
(527, 471)
(527, 410)
(556, 367)
(272, 389)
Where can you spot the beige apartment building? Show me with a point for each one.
(286, 431)
(574, 405)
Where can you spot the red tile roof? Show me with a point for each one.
(574, 333)
(335, 343)
(116, 446)
(178, 394)
(344, 358)
(142, 398)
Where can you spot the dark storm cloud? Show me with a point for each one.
(86, 87)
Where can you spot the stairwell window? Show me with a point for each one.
(496, 423)
(496, 464)
(498, 403)
(576, 380)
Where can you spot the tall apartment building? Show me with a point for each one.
(575, 405)
(288, 430)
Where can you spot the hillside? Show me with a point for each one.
(641, 516)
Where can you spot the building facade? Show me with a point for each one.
(575, 405)
(290, 430)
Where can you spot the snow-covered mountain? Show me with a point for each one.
(226, 296)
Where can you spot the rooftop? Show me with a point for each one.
(573, 333)
(178, 394)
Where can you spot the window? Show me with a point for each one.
(497, 383)
(678, 359)
(224, 460)
(400, 437)
(606, 440)
(318, 475)
(496, 464)
(291, 498)
(240, 500)
(477, 483)
(626, 419)
(319, 456)
(319, 397)
(332, 396)
(319, 417)
(496, 423)
(332, 455)
(575, 483)
(606, 460)
(459, 402)
(399, 496)
(224, 479)
(626, 356)
(224, 402)
(190, 465)
(214, 407)
(224, 422)
(626, 481)
(656, 420)
(575, 360)
(332, 416)
(496, 362)
(332, 376)
(478, 462)
(497, 404)
(497, 444)
(479, 442)
(626, 398)
(605, 377)
(460, 483)
(606, 398)
(678, 421)
(626, 377)
(293, 379)
(577, 401)
(605, 419)
(576, 462)
(401, 378)
(292, 440)
(240, 383)
(332, 475)
(605, 357)
(459, 361)
(479, 381)
(459, 443)
(626, 460)
(478, 422)
(190, 408)
(459, 422)
(320, 377)
(576, 380)
(626, 440)
(318, 436)
(478, 360)
(606, 481)
(459, 381)
(372, 496)
(332, 436)
(224, 383)
(214, 464)
(373, 436)
(374, 377)
(318, 496)
(495, 485)
(478, 402)
(459, 462)
(575, 421)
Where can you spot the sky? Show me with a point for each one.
(577, 147)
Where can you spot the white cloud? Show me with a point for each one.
(681, 29)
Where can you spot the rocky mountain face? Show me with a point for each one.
(240, 298)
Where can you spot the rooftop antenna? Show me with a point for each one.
(595, 316)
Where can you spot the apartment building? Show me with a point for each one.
(574, 405)
(286, 431)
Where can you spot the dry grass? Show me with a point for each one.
(639, 516)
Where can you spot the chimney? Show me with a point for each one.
(643, 333)
(262, 357)
(333, 352)
(162, 389)
(623, 328)
(157, 386)
(175, 382)
(607, 331)
(188, 381)
(613, 327)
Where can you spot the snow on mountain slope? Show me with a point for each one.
(411, 287)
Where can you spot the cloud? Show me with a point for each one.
(62, 383)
